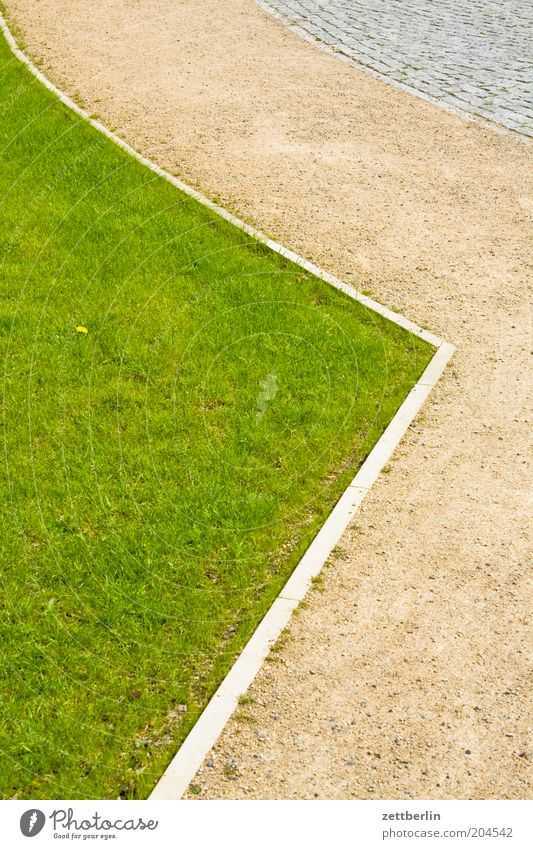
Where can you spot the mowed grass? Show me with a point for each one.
(164, 471)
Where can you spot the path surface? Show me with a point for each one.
(474, 56)
(406, 676)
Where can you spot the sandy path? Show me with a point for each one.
(406, 675)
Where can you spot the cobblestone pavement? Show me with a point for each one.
(470, 55)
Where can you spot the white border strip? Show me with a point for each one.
(207, 729)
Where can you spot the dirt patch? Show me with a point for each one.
(406, 676)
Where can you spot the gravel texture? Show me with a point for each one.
(405, 675)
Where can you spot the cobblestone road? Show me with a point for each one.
(471, 55)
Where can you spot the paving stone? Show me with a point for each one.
(474, 56)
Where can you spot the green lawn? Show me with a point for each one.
(164, 471)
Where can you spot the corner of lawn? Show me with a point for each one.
(181, 409)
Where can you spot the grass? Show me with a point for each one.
(165, 470)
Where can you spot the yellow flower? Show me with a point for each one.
(81, 329)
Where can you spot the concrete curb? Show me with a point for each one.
(211, 723)
(207, 729)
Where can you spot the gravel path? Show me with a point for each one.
(474, 56)
(406, 673)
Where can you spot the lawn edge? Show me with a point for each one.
(386, 312)
(200, 740)
(183, 767)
